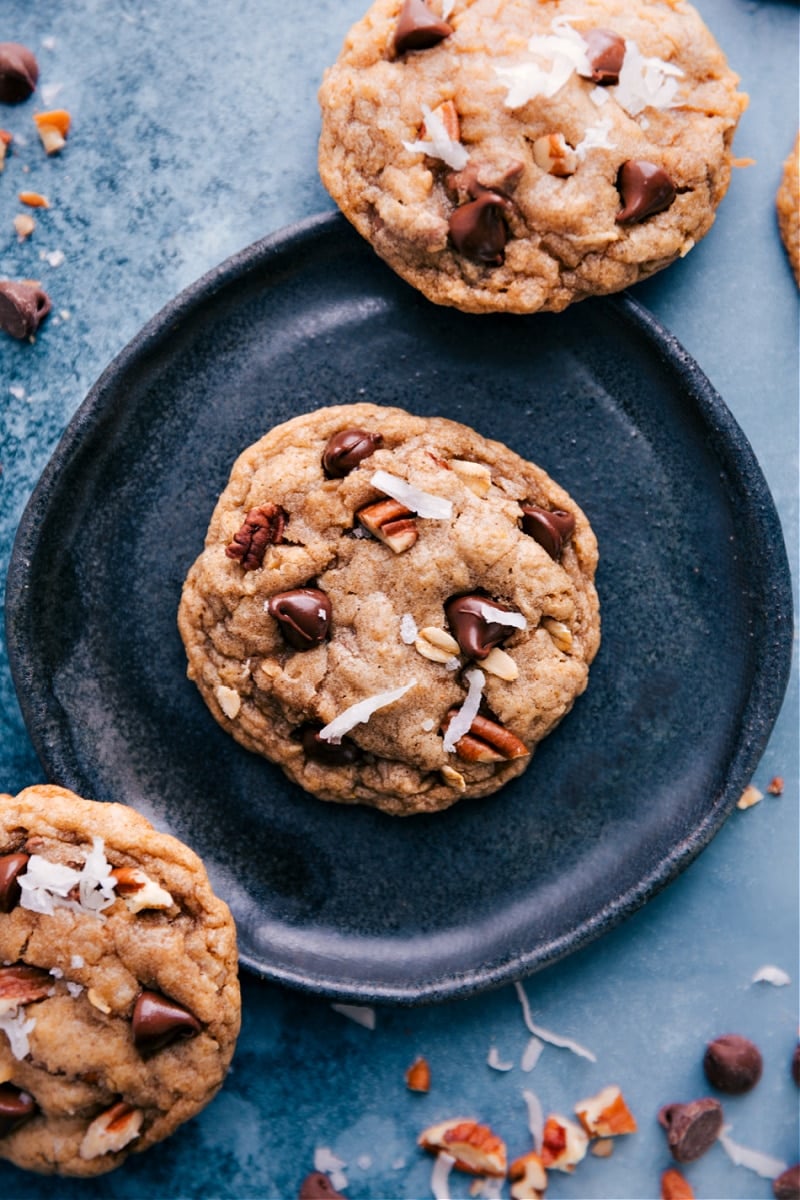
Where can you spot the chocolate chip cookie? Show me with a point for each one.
(391, 607)
(503, 155)
(788, 208)
(119, 994)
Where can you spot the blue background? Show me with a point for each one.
(195, 129)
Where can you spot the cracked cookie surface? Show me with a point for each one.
(119, 993)
(535, 154)
(393, 608)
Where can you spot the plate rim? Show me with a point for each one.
(730, 447)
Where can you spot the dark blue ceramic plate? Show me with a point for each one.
(693, 582)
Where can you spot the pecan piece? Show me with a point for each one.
(528, 1176)
(138, 890)
(606, 1114)
(263, 526)
(564, 1144)
(418, 1076)
(112, 1130)
(21, 984)
(391, 522)
(487, 741)
(475, 1148)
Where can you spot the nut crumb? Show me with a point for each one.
(750, 796)
(418, 1076)
(775, 786)
(33, 199)
(24, 225)
(229, 700)
(602, 1148)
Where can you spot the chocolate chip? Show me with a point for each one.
(23, 307)
(796, 1064)
(605, 51)
(158, 1021)
(19, 72)
(478, 229)
(317, 1186)
(303, 614)
(418, 28)
(645, 189)
(691, 1128)
(732, 1064)
(16, 1106)
(11, 867)
(328, 754)
(787, 1184)
(346, 449)
(475, 634)
(550, 528)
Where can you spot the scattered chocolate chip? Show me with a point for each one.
(328, 754)
(11, 867)
(317, 1186)
(787, 1184)
(23, 307)
(157, 1022)
(691, 1128)
(796, 1064)
(478, 229)
(346, 449)
(605, 51)
(16, 1106)
(645, 189)
(262, 527)
(418, 28)
(475, 634)
(732, 1064)
(303, 614)
(19, 72)
(549, 528)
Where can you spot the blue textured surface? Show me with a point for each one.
(195, 134)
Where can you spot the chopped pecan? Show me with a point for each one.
(553, 154)
(391, 522)
(53, 128)
(675, 1186)
(138, 890)
(564, 1144)
(475, 1148)
(21, 984)
(487, 741)
(112, 1130)
(606, 1114)
(448, 115)
(418, 1076)
(263, 526)
(528, 1176)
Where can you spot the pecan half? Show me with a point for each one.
(263, 526)
(475, 1148)
(487, 741)
(391, 522)
(21, 984)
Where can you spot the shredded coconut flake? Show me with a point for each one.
(499, 616)
(490, 1188)
(422, 503)
(531, 1054)
(447, 8)
(773, 975)
(439, 143)
(496, 1063)
(332, 1166)
(408, 629)
(45, 885)
(17, 1030)
(535, 1118)
(554, 1039)
(361, 1014)
(563, 51)
(463, 719)
(599, 96)
(645, 82)
(763, 1164)
(595, 138)
(361, 711)
(440, 1176)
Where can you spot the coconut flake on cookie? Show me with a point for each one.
(17, 1029)
(435, 508)
(361, 711)
(596, 137)
(646, 82)
(46, 886)
(462, 721)
(439, 144)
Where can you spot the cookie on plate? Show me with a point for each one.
(391, 607)
(788, 207)
(119, 993)
(504, 155)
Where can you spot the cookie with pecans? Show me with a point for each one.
(508, 156)
(787, 204)
(119, 993)
(393, 608)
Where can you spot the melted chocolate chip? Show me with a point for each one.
(23, 307)
(645, 189)
(158, 1021)
(303, 614)
(19, 72)
(691, 1128)
(605, 51)
(11, 867)
(16, 1106)
(549, 528)
(478, 229)
(328, 754)
(418, 28)
(787, 1184)
(475, 634)
(317, 1186)
(732, 1064)
(346, 449)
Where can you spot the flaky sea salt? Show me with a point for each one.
(46, 886)
(435, 508)
(408, 629)
(439, 144)
(331, 1165)
(361, 711)
(76, 962)
(462, 721)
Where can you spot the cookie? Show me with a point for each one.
(503, 155)
(392, 608)
(119, 997)
(788, 208)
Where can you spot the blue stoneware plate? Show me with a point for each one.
(693, 582)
